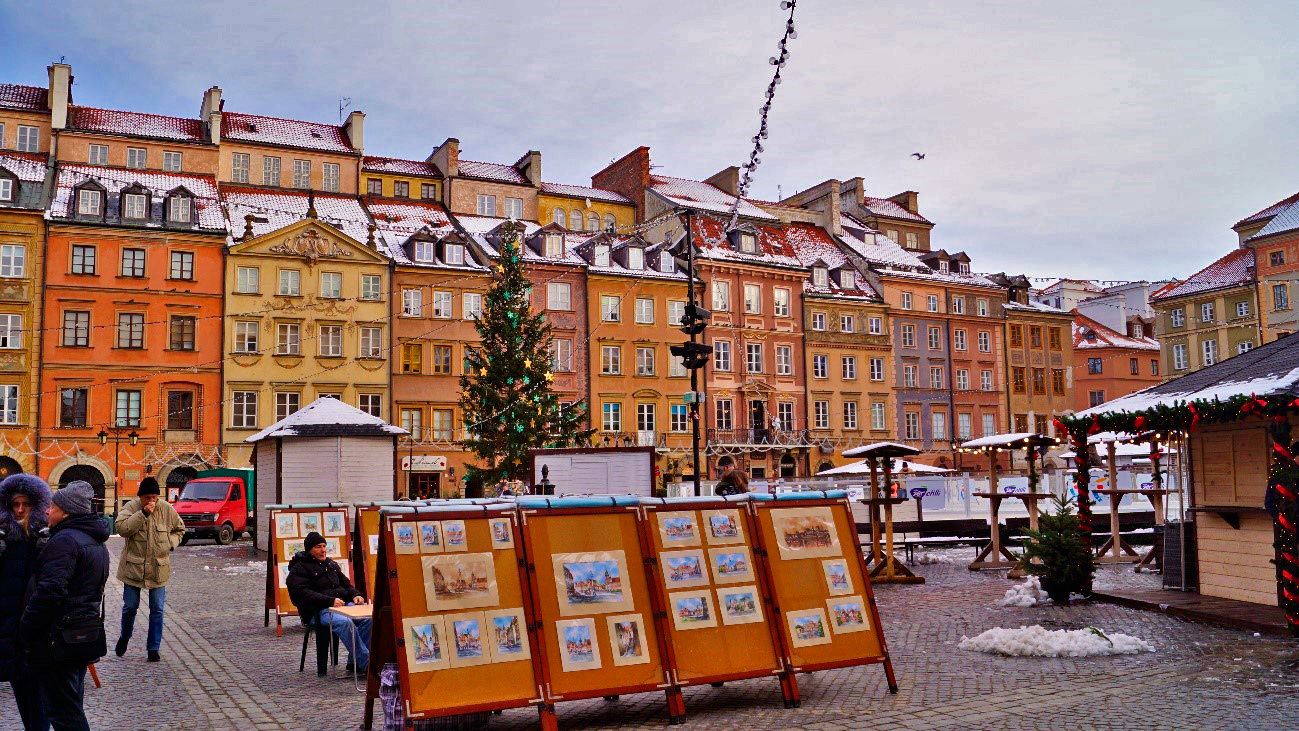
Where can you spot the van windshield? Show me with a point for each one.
(205, 491)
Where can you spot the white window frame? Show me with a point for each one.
(985, 341)
(821, 414)
(561, 355)
(1209, 352)
(1206, 312)
(1177, 316)
(938, 425)
(443, 304)
(937, 378)
(820, 365)
(243, 410)
(1242, 309)
(848, 367)
(301, 173)
(878, 416)
(958, 305)
(964, 426)
(13, 261)
(371, 287)
(644, 361)
(331, 285)
(678, 418)
(29, 138)
(676, 312)
(11, 331)
(646, 417)
(137, 157)
(331, 341)
(1179, 356)
(959, 340)
(240, 166)
(486, 205)
(962, 379)
(850, 415)
(721, 295)
(644, 310)
(330, 176)
(875, 325)
(290, 283)
(932, 302)
(271, 170)
(412, 301)
(635, 258)
(610, 308)
(989, 425)
(246, 336)
(95, 155)
(611, 360)
(370, 342)
(722, 355)
(906, 300)
(611, 416)
(135, 206)
(554, 246)
(981, 307)
(286, 404)
(780, 299)
(90, 202)
(847, 323)
(754, 362)
(472, 305)
(784, 360)
(820, 277)
(876, 369)
(752, 298)
(172, 161)
(818, 321)
(908, 336)
(985, 380)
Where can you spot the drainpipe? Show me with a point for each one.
(951, 376)
(1005, 364)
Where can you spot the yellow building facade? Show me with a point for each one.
(22, 252)
(584, 209)
(394, 178)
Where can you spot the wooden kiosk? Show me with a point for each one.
(995, 555)
(883, 564)
(1115, 549)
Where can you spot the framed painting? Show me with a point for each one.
(459, 581)
(627, 638)
(426, 646)
(805, 533)
(723, 527)
(683, 569)
(591, 583)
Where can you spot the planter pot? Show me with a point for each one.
(1058, 592)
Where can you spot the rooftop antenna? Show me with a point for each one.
(344, 103)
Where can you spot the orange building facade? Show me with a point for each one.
(1108, 364)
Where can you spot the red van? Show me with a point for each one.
(214, 507)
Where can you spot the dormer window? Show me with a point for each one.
(455, 254)
(135, 206)
(846, 278)
(602, 255)
(667, 264)
(90, 202)
(180, 209)
(748, 243)
(554, 246)
(424, 251)
(7, 190)
(964, 267)
(820, 277)
(635, 258)
(944, 267)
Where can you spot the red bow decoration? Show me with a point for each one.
(1096, 425)
(1195, 416)
(1059, 426)
(1281, 450)
(1285, 523)
(1284, 491)
(1139, 423)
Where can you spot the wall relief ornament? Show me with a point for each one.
(310, 302)
(311, 246)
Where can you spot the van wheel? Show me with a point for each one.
(225, 534)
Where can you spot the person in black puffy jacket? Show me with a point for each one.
(67, 591)
(24, 505)
(316, 585)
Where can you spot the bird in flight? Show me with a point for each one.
(918, 155)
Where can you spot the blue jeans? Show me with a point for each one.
(27, 694)
(157, 603)
(62, 689)
(342, 627)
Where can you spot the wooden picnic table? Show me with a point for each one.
(884, 566)
(1001, 557)
(1116, 546)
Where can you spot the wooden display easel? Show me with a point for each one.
(277, 595)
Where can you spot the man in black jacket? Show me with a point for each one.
(316, 585)
(63, 626)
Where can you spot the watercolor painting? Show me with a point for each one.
(430, 536)
(335, 524)
(293, 547)
(286, 525)
(627, 638)
(723, 527)
(309, 523)
(334, 547)
(459, 581)
(374, 544)
(454, 537)
(805, 533)
(591, 583)
(731, 565)
(848, 614)
(678, 529)
(578, 649)
(502, 532)
(837, 579)
(739, 605)
(425, 644)
(692, 609)
(682, 569)
(404, 539)
(468, 643)
(808, 627)
(283, 573)
(508, 635)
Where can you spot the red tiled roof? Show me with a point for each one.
(135, 124)
(491, 171)
(1230, 271)
(20, 96)
(284, 132)
(891, 209)
(399, 166)
(1105, 337)
(1271, 210)
(581, 191)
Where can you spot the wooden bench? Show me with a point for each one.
(952, 532)
(1129, 525)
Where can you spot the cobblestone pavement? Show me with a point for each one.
(222, 669)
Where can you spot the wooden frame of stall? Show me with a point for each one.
(883, 566)
(995, 555)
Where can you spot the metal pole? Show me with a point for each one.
(694, 372)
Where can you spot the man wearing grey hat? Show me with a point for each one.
(63, 624)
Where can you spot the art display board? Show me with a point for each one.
(454, 614)
(365, 544)
(826, 608)
(289, 526)
(600, 635)
(706, 563)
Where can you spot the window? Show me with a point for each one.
(11, 331)
(561, 355)
(892, 235)
(610, 223)
(752, 299)
(1095, 366)
(820, 414)
(611, 360)
(83, 259)
(876, 325)
(678, 417)
(849, 367)
(290, 282)
(748, 243)
(1054, 338)
(677, 366)
(645, 310)
(963, 267)
(135, 206)
(981, 307)
(780, 302)
(424, 250)
(554, 246)
(513, 208)
(400, 188)
(331, 341)
(722, 296)
(935, 338)
(818, 320)
(958, 305)
(909, 376)
(302, 173)
(906, 300)
(644, 361)
(243, 410)
(820, 366)
(1057, 381)
(933, 303)
(411, 421)
(89, 202)
(98, 153)
(1016, 336)
(128, 408)
(877, 416)
(371, 342)
(182, 265)
(1134, 366)
(612, 412)
(575, 220)
(171, 161)
(908, 336)
(72, 407)
(667, 264)
(13, 260)
(1242, 309)
(1243, 346)
(329, 177)
(1206, 312)
(753, 357)
(286, 404)
(1179, 357)
(473, 305)
(610, 306)
(486, 205)
(962, 379)
(936, 379)
(676, 311)
(246, 337)
(1035, 336)
(179, 208)
(1095, 398)
(181, 332)
(428, 191)
(130, 330)
(371, 286)
(592, 221)
(784, 360)
(270, 170)
(442, 305)
(847, 323)
(136, 157)
(374, 186)
(1276, 258)
(412, 358)
(849, 414)
(412, 302)
(29, 138)
(132, 262)
(6, 189)
(963, 426)
(180, 410)
(331, 285)
(820, 277)
(877, 369)
(371, 403)
(1018, 379)
(985, 341)
(1210, 350)
(1154, 363)
(1280, 297)
(722, 355)
(958, 337)
(1178, 317)
(940, 425)
(1039, 380)
(911, 421)
(602, 255)
(985, 380)
(441, 360)
(76, 328)
(912, 241)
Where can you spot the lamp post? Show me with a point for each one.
(133, 437)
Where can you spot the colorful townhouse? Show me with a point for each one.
(402, 180)
(1109, 364)
(1039, 355)
(1209, 316)
(1273, 235)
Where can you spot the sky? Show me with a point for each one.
(1110, 140)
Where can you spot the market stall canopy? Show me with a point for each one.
(880, 450)
(863, 468)
(1018, 440)
(328, 417)
(1268, 370)
(1126, 449)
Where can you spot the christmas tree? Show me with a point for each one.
(505, 392)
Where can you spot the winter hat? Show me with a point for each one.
(148, 486)
(313, 539)
(75, 498)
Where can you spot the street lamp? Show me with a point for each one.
(133, 438)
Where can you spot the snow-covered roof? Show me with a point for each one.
(29, 168)
(479, 227)
(884, 449)
(1268, 370)
(21, 96)
(496, 171)
(1270, 211)
(1105, 337)
(1035, 307)
(1080, 283)
(1232, 270)
(1285, 219)
(135, 124)
(772, 247)
(204, 188)
(397, 166)
(887, 257)
(1016, 440)
(328, 417)
(812, 244)
(702, 196)
(863, 468)
(238, 127)
(891, 209)
(284, 208)
(582, 191)
(583, 246)
(399, 220)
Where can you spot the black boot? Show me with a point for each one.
(154, 656)
(121, 646)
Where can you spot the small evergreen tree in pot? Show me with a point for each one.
(1064, 564)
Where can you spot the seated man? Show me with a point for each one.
(316, 585)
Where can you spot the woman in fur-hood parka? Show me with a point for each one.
(18, 550)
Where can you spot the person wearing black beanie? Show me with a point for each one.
(316, 585)
(152, 529)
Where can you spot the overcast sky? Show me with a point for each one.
(1115, 140)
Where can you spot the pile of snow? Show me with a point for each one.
(252, 567)
(1027, 594)
(1037, 641)
(927, 559)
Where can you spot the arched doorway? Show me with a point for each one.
(9, 466)
(788, 467)
(176, 480)
(86, 473)
(825, 466)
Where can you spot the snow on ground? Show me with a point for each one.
(252, 567)
(1027, 594)
(1037, 641)
(928, 559)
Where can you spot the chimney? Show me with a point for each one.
(835, 208)
(210, 113)
(629, 175)
(447, 157)
(530, 166)
(727, 180)
(60, 94)
(907, 200)
(355, 129)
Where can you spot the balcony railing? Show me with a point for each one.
(780, 437)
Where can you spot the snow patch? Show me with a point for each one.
(1027, 594)
(1036, 641)
(929, 559)
(252, 567)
